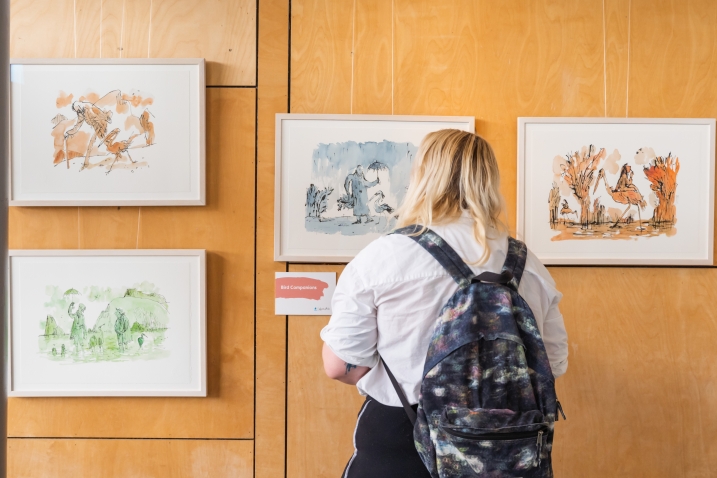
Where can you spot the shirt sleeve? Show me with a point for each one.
(555, 338)
(551, 325)
(352, 332)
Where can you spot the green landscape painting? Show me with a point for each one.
(132, 325)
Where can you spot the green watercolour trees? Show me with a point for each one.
(111, 337)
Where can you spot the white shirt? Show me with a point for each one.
(388, 299)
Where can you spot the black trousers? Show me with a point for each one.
(383, 440)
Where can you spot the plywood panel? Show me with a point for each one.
(42, 28)
(112, 24)
(88, 20)
(136, 26)
(617, 16)
(270, 329)
(43, 228)
(372, 86)
(30, 458)
(498, 61)
(321, 40)
(225, 227)
(222, 31)
(640, 387)
(672, 58)
(109, 227)
(125, 28)
(321, 412)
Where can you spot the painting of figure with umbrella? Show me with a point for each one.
(355, 187)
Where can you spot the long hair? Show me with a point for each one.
(455, 171)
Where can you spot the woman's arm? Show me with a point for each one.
(337, 369)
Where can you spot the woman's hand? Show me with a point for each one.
(337, 369)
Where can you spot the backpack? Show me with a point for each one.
(487, 404)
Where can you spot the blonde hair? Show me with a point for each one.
(455, 171)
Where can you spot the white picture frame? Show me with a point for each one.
(650, 184)
(134, 130)
(63, 336)
(324, 152)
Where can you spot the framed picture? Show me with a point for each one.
(617, 190)
(107, 323)
(339, 179)
(107, 132)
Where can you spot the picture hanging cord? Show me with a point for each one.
(604, 58)
(627, 83)
(149, 33)
(122, 31)
(74, 24)
(353, 49)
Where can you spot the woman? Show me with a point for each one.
(389, 297)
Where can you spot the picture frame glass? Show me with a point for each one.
(107, 134)
(103, 325)
(617, 192)
(342, 178)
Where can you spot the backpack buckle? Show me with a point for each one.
(503, 278)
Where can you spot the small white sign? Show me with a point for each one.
(304, 293)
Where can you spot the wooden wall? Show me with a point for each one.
(641, 386)
(642, 378)
(142, 437)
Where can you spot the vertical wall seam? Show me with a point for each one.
(286, 317)
(393, 28)
(256, 219)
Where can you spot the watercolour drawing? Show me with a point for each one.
(623, 191)
(114, 132)
(133, 324)
(101, 131)
(341, 179)
(598, 196)
(355, 187)
(107, 323)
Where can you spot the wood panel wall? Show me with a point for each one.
(642, 374)
(640, 389)
(162, 437)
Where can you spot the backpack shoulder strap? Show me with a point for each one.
(441, 251)
(515, 261)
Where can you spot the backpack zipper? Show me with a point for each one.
(493, 436)
(502, 436)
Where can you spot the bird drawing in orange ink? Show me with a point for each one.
(148, 127)
(565, 210)
(118, 147)
(625, 192)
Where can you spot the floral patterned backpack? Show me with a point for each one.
(487, 404)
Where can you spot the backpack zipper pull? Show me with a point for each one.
(539, 445)
(560, 409)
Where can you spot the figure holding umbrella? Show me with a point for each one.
(356, 197)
